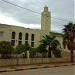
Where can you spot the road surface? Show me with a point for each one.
(64, 70)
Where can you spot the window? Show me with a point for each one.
(1, 34)
(32, 37)
(13, 42)
(13, 35)
(26, 36)
(26, 42)
(32, 44)
(19, 42)
(20, 36)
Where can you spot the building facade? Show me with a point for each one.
(20, 35)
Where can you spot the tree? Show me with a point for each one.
(69, 37)
(22, 48)
(50, 42)
(57, 53)
(42, 49)
(33, 52)
(5, 49)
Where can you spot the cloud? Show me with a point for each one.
(7, 20)
(11, 21)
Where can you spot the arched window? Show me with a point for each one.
(13, 35)
(26, 36)
(32, 37)
(20, 36)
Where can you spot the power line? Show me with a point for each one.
(61, 19)
(32, 10)
(20, 6)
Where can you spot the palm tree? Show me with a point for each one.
(69, 37)
(50, 42)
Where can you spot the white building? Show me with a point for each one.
(20, 35)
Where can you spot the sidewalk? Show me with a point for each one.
(36, 66)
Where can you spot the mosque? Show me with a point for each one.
(20, 35)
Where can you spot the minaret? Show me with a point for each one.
(46, 19)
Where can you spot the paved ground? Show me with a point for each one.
(37, 66)
(62, 70)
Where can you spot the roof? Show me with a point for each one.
(56, 33)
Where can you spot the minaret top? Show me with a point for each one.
(46, 8)
(46, 19)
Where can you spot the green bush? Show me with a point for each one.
(5, 49)
(22, 48)
(57, 53)
(41, 49)
(33, 52)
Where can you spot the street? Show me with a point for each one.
(64, 70)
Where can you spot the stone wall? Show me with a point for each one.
(24, 61)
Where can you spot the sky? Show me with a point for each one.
(13, 15)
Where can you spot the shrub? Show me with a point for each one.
(57, 53)
(5, 49)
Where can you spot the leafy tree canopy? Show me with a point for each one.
(33, 52)
(5, 47)
(22, 48)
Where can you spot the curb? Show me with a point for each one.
(37, 67)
